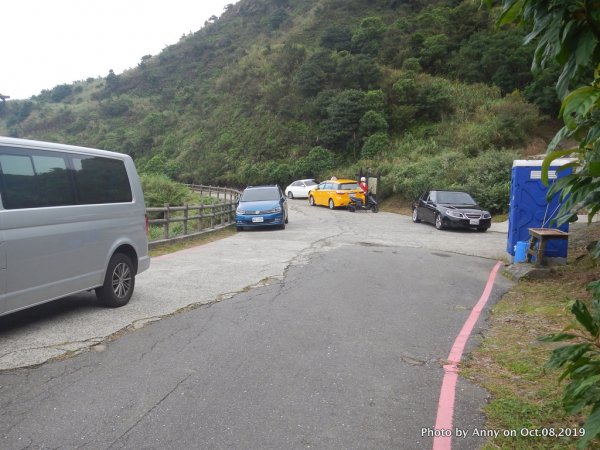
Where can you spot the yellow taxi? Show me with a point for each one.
(334, 193)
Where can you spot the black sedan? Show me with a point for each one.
(450, 209)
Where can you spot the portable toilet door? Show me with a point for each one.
(529, 207)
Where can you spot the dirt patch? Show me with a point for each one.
(396, 204)
(511, 362)
(581, 236)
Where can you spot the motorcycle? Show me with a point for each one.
(357, 204)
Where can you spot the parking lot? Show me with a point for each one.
(218, 270)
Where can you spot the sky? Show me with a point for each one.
(47, 43)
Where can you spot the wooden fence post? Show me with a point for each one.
(200, 217)
(166, 224)
(185, 219)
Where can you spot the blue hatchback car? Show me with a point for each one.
(261, 206)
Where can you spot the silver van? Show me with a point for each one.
(71, 219)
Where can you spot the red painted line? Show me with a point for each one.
(443, 431)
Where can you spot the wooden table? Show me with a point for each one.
(541, 236)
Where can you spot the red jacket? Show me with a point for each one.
(364, 187)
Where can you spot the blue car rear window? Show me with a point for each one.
(260, 194)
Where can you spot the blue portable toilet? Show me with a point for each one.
(529, 207)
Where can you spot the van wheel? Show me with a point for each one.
(118, 282)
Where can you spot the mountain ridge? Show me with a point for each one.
(275, 90)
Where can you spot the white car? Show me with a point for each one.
(300, 188)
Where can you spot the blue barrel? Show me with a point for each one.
(521, 251)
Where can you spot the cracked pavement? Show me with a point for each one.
(329, 334)
(216, 271)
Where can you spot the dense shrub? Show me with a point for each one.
(160, 165)
(375, 145)
(502, 123)
(413, 178)
(372, 122)
(159, 190)
(486, 177)
(514, 120)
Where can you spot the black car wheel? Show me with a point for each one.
(439, 222)
(290, 195)
(311, 200)
(415, 216)
(331, 204)
(119, 282)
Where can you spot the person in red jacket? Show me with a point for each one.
(363, 185)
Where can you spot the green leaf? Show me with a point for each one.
(592, 212)
(596, 251)
(582, 386)
(560, 356)
(589, 368)
(578, 103)
(550, 157)
(558, 138)
(511, 11)
(594, 287)
(586, 45)
(594, 169)
(584, 317)
(592, 427)
(569, 69)
(557, 337)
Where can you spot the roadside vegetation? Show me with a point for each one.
(567, 33)
(160, 191)
(511, 362)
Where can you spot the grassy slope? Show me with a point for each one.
(510, 361)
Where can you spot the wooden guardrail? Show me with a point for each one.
(187, 221)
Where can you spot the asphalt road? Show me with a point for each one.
(216, 271)
(338, 344)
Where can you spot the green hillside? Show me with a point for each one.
(425, 93)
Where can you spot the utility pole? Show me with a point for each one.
(4, 97)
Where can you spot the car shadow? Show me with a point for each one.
(50, 311)
(261, 229)
(453, 230)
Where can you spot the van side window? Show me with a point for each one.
(53, 181)
(100, 180)
(33, 181)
